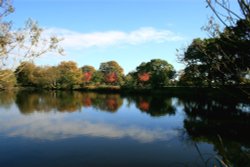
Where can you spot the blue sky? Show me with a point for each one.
(127, 31)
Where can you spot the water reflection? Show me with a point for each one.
(66, 101)
(29, 102)
(220, 122)
(7, 98)
(217, 128)
(54, 115)
(56, 127)
(155, 105)
(105, 102)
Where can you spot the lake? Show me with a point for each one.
(60, 128)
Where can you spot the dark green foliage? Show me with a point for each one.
(154, 74)
(98, 78)
(222, 60)
(130, 80)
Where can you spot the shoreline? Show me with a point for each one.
(219, 92)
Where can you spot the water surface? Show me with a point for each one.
(57, 128)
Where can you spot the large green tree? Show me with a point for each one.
(157, 73)
(224, 58)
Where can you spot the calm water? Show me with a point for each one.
(51, 129)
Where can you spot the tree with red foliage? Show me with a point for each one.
(157, 73)
(87, 76)
(144, 77)
(112, 72)
(111, 77)
(87, 73)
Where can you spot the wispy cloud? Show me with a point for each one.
(77, 40)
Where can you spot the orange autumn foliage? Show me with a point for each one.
(144, 77)
(111, 77)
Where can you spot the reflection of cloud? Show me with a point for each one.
(77, 40)
(55, 126)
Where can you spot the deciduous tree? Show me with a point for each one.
(24, 73)
(23, 44)
(88, 72)
(157, 73)
(69, 74)
(112, 72)
(7, 79)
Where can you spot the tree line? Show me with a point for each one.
(156, 73)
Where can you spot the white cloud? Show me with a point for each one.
(77, 40)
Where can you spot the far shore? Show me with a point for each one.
(221, 92)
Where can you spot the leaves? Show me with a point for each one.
(23, 44)
(157, 73)
(112, 72)
(144, 77)
(220, 60)
(7, 79)
(111, 77)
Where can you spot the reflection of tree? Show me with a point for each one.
(107, 102)
(222, 123)
(87, 99)
(104, 102)
(29, 102)
(65, 101)
(7, 98)
(144, 105)
(155, 105)
(68, 101)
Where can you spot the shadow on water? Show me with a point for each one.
(223, 122)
